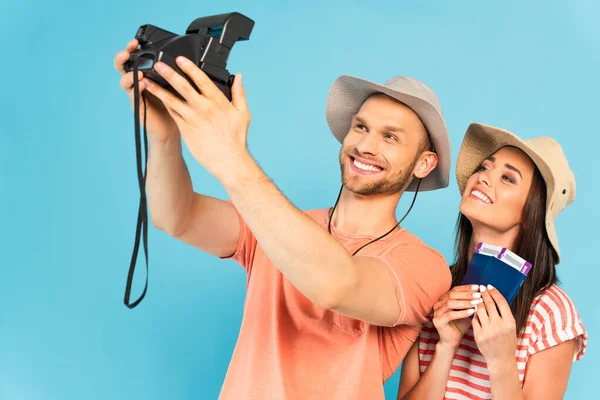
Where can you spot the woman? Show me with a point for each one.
(477, 346)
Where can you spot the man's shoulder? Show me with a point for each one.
(408, 242)
(403, 244)
(408, 249)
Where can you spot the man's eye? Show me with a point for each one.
(390, 136)
(361, 127)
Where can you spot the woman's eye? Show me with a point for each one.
(508, 178)
(481, 168)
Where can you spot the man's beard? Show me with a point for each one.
(390, 185)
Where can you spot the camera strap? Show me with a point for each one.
(141, 230)
(385, 234)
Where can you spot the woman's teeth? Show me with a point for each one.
(479, 194)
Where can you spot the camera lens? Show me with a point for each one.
(140, 34)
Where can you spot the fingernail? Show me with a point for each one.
(490, 287)
(477, 295)
(475, 287)
(159, 67)
(470, 311)
(182, 61)
(147, 82)
(475, 308)
(482, 288)
(474, 301)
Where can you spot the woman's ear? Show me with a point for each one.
(428, 161)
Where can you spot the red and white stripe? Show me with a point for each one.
(552, 320)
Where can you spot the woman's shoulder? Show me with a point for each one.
(553, 319)
(554, 301)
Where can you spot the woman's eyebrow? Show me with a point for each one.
(514, 169)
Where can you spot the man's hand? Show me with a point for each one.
(213, 129)
(159, 123)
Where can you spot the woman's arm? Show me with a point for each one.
(546, 375)
(432, 385)
(547, 372)
(409, 376)
(450, 325)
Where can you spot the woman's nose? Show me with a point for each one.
(484, 178)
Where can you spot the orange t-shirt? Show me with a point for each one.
(288, 348)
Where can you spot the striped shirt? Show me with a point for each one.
(552, 320)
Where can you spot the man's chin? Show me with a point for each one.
(362, 190)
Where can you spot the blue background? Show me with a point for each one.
(69, 196)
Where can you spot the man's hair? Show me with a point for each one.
(425, 144)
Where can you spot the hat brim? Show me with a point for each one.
(480, 142)
(347, 95)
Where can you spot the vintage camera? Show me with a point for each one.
(207, 43)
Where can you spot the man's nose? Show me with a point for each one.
(369, 144)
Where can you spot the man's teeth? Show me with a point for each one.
(479, 194)
(366, 167)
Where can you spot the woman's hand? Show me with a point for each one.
(452, 312)
(494, 328)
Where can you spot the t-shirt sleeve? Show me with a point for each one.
(420, 276)
(558, 321)
(246, 246)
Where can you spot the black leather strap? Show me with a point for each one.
(141, 230)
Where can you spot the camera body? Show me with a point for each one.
(207, 43)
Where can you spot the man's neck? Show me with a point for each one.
(365, 215)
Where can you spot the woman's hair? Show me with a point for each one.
(532, 244)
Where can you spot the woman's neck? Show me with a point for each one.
(489, 236)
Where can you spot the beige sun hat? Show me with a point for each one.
(348, 93)
(481, 141)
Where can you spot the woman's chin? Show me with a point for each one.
(474, 216)
(464, 209)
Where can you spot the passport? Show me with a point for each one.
(499, 267)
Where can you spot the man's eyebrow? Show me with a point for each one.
(392, 128)
(358, 119)
(387, 128)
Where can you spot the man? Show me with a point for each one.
(318, 323)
